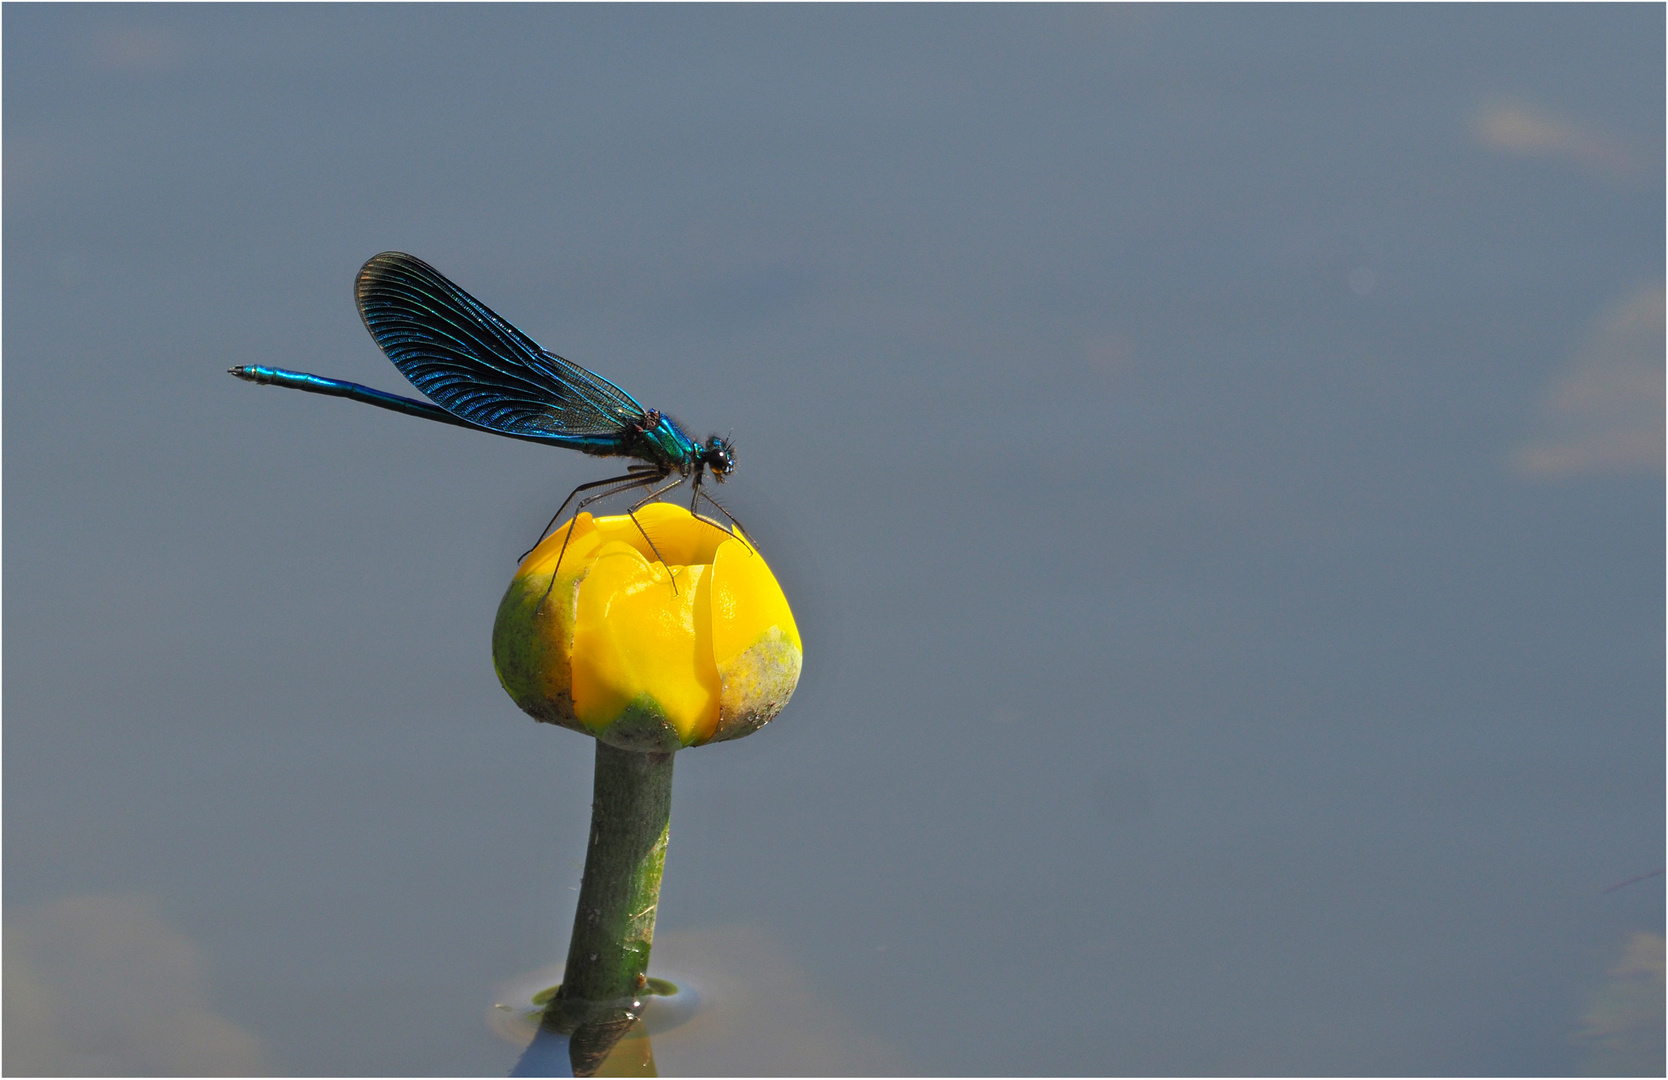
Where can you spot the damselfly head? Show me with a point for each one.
(719, 455)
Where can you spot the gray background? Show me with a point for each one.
(1214, 455)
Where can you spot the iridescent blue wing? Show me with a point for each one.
(476, 366)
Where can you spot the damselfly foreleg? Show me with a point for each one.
(638, 505)
(740, 530)
(697, 493)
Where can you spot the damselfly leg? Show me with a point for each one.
(640, 475)
(614, 485)
(638, 505)
(740, 530)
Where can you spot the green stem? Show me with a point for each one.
(613, 928)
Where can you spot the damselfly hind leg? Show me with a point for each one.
(614, 485)
(643, 474)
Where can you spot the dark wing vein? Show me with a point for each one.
(474, 364)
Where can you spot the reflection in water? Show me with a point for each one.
(1520, 129)
(606, 1041)
(1622, 1027)
(102, 986)
(1603, 413)
(613, 1045)
(757, 1013)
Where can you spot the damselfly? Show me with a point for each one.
(483, 373)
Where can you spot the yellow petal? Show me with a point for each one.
(668, 532)
(756, 645)
(639, 647)
(746, 602)
(579, 536)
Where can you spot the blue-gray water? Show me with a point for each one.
(1215, 455)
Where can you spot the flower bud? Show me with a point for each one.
(610, 648)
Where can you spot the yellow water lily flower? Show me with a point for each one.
(614, 650)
